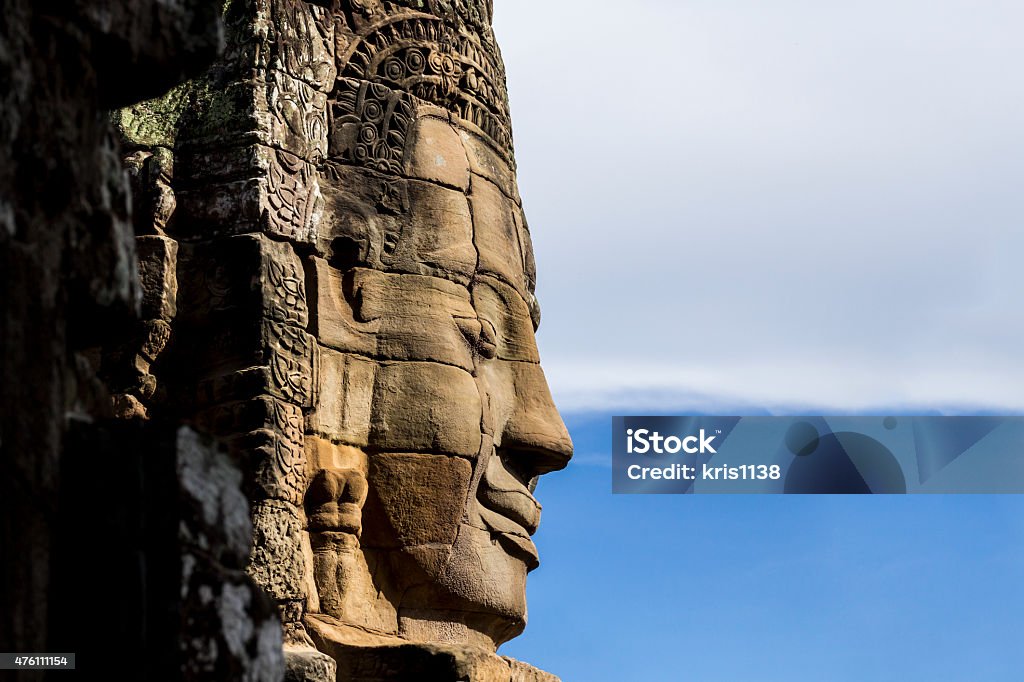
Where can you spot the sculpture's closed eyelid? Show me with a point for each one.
(488, 332)
(480, 334)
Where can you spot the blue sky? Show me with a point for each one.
(766, 588)
(787, 207)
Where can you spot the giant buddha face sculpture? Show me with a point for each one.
(339, 257)
(434, 419)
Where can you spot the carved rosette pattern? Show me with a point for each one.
(427, 58)
(370, 123)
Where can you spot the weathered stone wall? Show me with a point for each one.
(123, 543)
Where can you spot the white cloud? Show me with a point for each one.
(774, 202)
(805, 387)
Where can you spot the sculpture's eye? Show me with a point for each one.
(480, 335)
(488, 343)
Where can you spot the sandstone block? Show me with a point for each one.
(277, 563)
(323, 454)
(387, 223)
(308, 665)
(404, 507)
(344, 402)
(369, 658)
(243, 359)
(362, 215)
(266, 436)
(418, 317)
(250, 275)
(158, 262)
(426, 407)
(351, 584)
(297, 115)
(262, 412)
(523, 672)
(434, 152)
(273, 457)
(218, 116)
(126, 406)
(336, 319)
(221, 207)
(395, 316)
(438, 235)
(496, 234)
(275, 110)
(503, 310)
(486, 162)
(293, 24)
(213, 165)
(153, 336)
(284, 201)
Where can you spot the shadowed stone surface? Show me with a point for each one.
(113, 533)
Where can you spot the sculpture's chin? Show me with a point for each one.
(480, 586)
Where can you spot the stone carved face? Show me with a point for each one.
(433, 415)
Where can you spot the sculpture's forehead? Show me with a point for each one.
(418, 173)
(441, 217)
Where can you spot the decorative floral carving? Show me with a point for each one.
(294, 204)
(293, 364)
(287, 299)
(299, 115)
(369, 124)
(282, 474)
(304, 45)
(426, 57)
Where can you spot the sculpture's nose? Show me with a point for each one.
(534, 440)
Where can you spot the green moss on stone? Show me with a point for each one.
(154, 123)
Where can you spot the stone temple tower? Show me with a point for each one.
(339, 284)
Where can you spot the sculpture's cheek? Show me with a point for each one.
(425, 407)
(415, 500)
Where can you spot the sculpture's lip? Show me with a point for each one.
(503, 493)
(512, 536)
(509, 511)
(523, 548)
